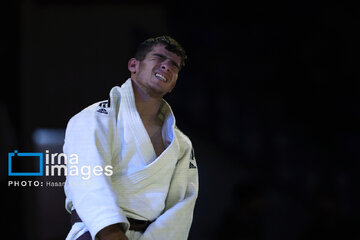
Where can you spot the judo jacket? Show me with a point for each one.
(117, 174)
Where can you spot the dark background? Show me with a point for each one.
(269, 97)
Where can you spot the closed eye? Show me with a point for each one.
(162, 58)
(159, 56)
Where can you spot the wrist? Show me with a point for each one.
(112, 232)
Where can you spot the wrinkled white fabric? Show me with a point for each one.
(143, 186)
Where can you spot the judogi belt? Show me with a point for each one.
(135, 225)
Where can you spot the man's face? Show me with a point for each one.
(158, 72)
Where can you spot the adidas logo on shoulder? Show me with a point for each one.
(104, 107)
(191, 165)
(192, 159)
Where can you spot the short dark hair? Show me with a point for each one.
(170, 44)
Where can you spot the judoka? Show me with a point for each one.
(153, 187)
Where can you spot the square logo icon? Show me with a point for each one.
(25, 164)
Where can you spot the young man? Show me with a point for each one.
(141, 177)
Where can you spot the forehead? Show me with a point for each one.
(160, 49)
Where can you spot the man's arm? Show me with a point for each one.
(112, 232)
(88, 136)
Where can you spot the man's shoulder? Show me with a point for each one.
(99, 110)
(182, 137)
(186, 148)
(103, 107)
(97, 107)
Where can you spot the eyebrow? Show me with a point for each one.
(163, 56)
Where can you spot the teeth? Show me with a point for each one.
(161, 77)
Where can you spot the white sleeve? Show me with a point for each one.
(175, 222)
(89, 135)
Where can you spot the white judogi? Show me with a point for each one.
(142, 186)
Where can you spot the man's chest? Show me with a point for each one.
(155, 135)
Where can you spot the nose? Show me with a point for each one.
(165, 66)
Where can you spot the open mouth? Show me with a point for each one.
(161, 77)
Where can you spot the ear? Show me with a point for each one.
(132, 65)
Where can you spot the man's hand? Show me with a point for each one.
(112, 232)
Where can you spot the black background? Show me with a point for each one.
(269, 97)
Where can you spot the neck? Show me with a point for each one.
(147, 106)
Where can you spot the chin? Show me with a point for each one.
(156, 91)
